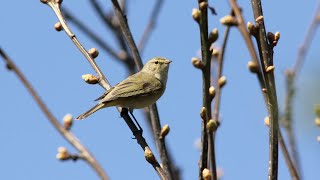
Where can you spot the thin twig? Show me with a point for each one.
(152, 21)
(105, 46)
(206, 100)
(293, 171)
(266, 57)
(291, 76)
(155, 120)
(245, 34)
(125, 58)
(55, 5)
(67, 134)
(217, 98)
(109, 23)
(307, 41)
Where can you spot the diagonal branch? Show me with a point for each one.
(55, 5)
(68, 135)
(148, 30)
(155, 120)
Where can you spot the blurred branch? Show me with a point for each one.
(152, 21)
(291, 75)
(155, 120)
(293, 171)
(71, 138)
(127, 34)
(109, 21)
(307, 41)
(214, 123)
(55, 5)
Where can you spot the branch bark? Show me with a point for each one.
(55, 5)
(154, 114)
(66, 134)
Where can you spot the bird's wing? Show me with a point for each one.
(136, 85)
(104, 94)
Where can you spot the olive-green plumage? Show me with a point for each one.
(138, 90)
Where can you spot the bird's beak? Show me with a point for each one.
(167, 61)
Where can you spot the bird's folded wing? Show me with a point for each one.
(136, 85)
(104, 94)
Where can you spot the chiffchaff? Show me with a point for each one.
(138, 90)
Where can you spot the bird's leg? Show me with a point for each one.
(140, 128)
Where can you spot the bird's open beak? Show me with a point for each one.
(167, 61)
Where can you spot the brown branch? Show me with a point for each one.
(152, 21)
(85, 29)
(127, 33)
(67, 134)
(55, 5)
(155, 120)
(125, 58)
(246, 35)
(266, 57)
(293, 171)
(109, 23)
(206, 98)
(217, 97)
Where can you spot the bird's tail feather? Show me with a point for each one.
(91, 111)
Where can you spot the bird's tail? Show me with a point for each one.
(91, 111)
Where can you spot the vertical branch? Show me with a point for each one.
(266, 55)
(155, 120)
(253, 66)
(217, 97)
(71, 138)
(202, 19)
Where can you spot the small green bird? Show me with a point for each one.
(137, 91)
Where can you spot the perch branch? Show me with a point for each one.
(155, 120)
(55, 5)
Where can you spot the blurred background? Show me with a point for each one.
(54, 66)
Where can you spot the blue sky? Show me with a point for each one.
(54, 66)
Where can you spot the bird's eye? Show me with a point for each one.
(157, 62)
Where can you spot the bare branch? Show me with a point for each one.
(67, 134)
(155, 120)
(201, 16)
(55, 5)
(266, 57)
(152, 21)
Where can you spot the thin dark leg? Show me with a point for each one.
(135, 120)
(125, 111)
